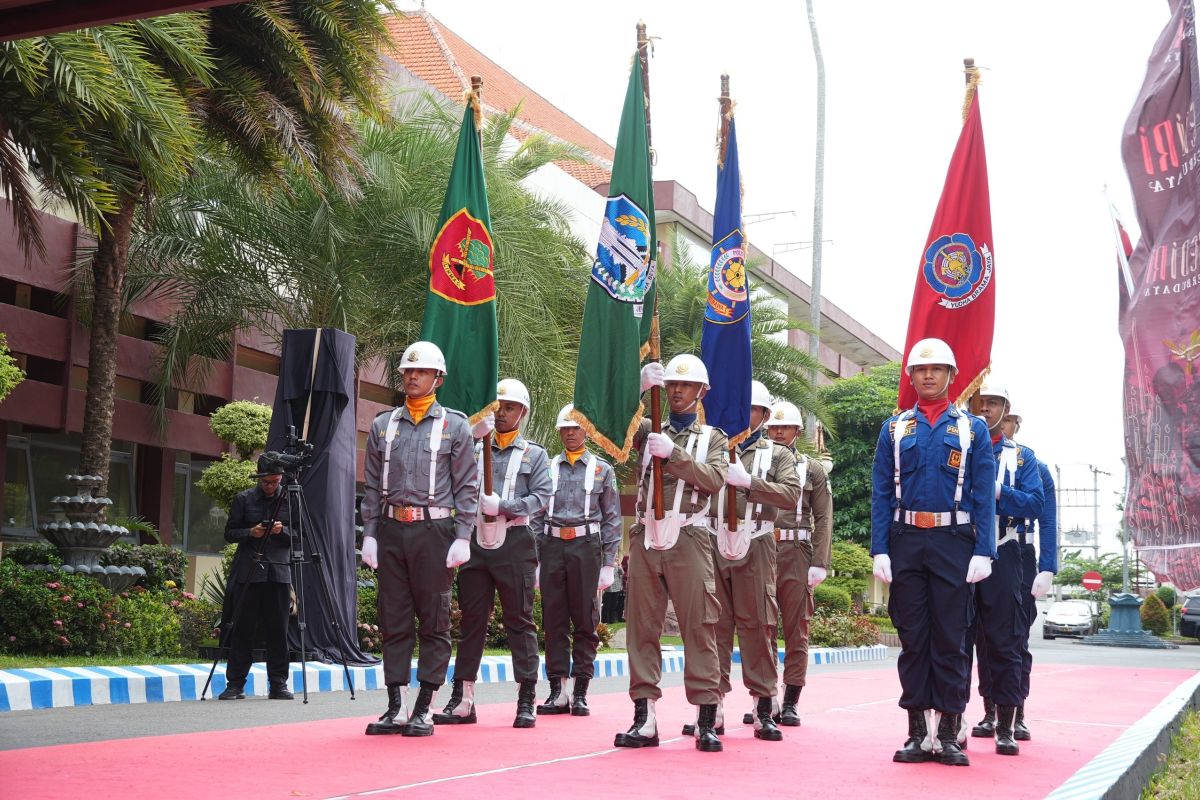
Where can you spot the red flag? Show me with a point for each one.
(955, 296)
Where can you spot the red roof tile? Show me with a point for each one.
(438, 56)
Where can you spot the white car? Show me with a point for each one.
(1069, 618)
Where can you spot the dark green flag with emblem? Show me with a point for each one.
(619, 310)
(460, 306)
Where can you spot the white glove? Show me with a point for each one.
(737, 475)
(659, 445)
(1041, 585)
(537, 577)
(606, 578)
(827, 463)
(883, 567)
(979, 568)
(460, 553)
(817, 574)
(653, 375)
(484, 426)
(370, 552)
(490, 504)
(999, 486)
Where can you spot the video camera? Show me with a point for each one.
(296, 456)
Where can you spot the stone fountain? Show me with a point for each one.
(81, 535)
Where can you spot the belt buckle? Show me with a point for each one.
(778, 535)
(406, 514)
(925, 519)
(567, 534)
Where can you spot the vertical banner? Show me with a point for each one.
(460, 306)
(615, 317)
(955, 295)
(1160, 316)
(725, 339)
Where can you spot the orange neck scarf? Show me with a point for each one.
(575, 455)
(420, 406)
(504, 440)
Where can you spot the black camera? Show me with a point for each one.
(296, 456)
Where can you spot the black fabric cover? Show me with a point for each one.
(328, 485)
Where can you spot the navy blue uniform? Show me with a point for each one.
(1000, 629)
(1032, 562)
(930, 601)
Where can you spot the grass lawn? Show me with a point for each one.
(25, 662)
(1179, 778)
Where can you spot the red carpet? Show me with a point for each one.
(851, 727)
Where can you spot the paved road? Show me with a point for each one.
(98, 723)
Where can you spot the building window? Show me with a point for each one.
(199, 521)
(18, 488)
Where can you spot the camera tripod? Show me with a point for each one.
(300, 553)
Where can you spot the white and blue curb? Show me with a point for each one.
(62, 687)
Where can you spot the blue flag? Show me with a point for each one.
(725, 341)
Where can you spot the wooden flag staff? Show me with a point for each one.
(726, 110)
(476, 100)
(643, 49)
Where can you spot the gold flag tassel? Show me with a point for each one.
(972, 75)
(618, 452)
(471, 96)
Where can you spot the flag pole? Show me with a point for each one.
(725, 104)
(476, 101)
(971, 76)
(643, 49)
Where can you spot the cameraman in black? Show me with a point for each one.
(261, 579)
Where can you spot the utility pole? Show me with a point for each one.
(814, 338)
(1077, 497)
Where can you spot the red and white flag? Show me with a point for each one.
(955, 296)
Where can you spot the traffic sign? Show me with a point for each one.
(1092, 581)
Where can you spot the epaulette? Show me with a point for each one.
(455, 411)
(382, 414)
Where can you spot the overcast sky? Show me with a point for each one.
(1059, 79)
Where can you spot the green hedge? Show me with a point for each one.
(831, 597)
(829, 628)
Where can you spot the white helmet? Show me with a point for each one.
(785, 413)
(760, 395)
(512, 389)
(1013, 412)
(564, 418)
(686, 368)
(931, 351)
(992, 388)
(423, 355)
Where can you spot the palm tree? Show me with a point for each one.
(228, 258)
(108, 117)
(683, 296)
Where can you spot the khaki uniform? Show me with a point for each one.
(682, 574)
(747, 587)
(413, 577)
(572, 547)
(804, 536)
(507, 570)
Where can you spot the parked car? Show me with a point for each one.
(1189, 616)
(1069, 618)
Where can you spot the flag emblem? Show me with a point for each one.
(728, 280)
(957, 270)
(622, 265)
(460, 261)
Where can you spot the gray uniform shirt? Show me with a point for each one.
(531, 489)
(706, 473)
(457, 484)
(605, 506)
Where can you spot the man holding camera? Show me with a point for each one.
(261, 578)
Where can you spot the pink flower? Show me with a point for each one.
(127, 625)
(66, 598)
(58, 623)
(12, 638)
(79, 605)
(53, 585)
(174, 604)
(103, 627)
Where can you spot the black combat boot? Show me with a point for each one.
(460, 709)
(1020, 731)
(912, 752)
(420, 721)
(689, 729)
(579, 706)
(279, 691)
(397, 697)
(986, 728)
(764, 725)
(233, 691)
(706, 723)
(1005, 744)
(788, 716)
(557, 702)
(644, 730)
(947, 734)
(526, 696)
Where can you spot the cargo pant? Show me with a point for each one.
(793, 558)
(570, 604)
(507, 571)
(746, 591)
(684, 575)
(1029, 571)
(1000, 629)
(414, 581)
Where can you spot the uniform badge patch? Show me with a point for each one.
(955, 459)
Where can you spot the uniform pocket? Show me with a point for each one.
(712, 605)
(769, 613)
(442, 621)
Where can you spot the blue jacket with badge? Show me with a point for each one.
(1021, 497)
(929, 467)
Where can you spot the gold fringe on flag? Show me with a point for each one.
(965, 395)
(490, 408)
(619, 453)
(471, 97)
(972, 82)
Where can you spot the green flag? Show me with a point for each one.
(460, 306)
(618, 314)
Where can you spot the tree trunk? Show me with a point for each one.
(108, 279)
